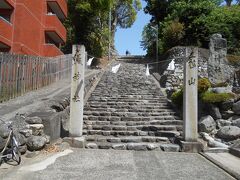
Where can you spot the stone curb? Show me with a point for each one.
(221, 166)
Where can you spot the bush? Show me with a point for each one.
(210, 97)
(203, 85)
(177, 97)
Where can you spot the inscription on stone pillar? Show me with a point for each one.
(77, 91)
(190, 99)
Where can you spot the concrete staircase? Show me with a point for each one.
(127, 111)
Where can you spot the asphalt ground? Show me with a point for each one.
(81, 164)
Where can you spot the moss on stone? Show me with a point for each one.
(210, 97)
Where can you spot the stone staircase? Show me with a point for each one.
(127, 111)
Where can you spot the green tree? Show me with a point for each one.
(87, 22)
(225, 20)
(172, 34)
(124, 14)
(149, 39)
(158, 9)
(192, 22)
(228, 2)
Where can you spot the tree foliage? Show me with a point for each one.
(88, 20)
(192, 22)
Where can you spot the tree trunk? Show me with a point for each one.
(228, 2)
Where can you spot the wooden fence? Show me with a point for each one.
(20, 73)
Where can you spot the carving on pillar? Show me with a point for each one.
(77, 56)
(76, 97)
(192, 81)
(76, 76)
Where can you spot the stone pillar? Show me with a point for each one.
(190, 103)
(77, 91)
(190, 98)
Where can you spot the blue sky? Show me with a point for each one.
(129, 39)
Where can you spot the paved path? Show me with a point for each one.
(227, 161)
(31, 101)
(117, 165)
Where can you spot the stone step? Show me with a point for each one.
(143, 101)
(124, 106)
(124, 139)
(145, 146)
(95, 94)
(134, 123)
(127, 99)
(128, 114)
(139, 101)
(134, 128)
(133, 133)
(127, 119)
(127, 110)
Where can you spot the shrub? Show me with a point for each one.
(177, 97)
(203, 85)
(210, 97)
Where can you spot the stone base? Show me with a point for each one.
(191, 147)
(76, 142)
(235, 151)
(51, 122)
(216, 150)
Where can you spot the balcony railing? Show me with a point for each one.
(5, 31)
(54, 24)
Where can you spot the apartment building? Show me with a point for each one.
(32, 27)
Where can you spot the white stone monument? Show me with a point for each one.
(77, 91)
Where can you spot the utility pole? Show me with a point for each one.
(109, 36)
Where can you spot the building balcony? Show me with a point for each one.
(54, 26)
(6, 4)
(50, 50)
(58, 7)
(6, 30)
